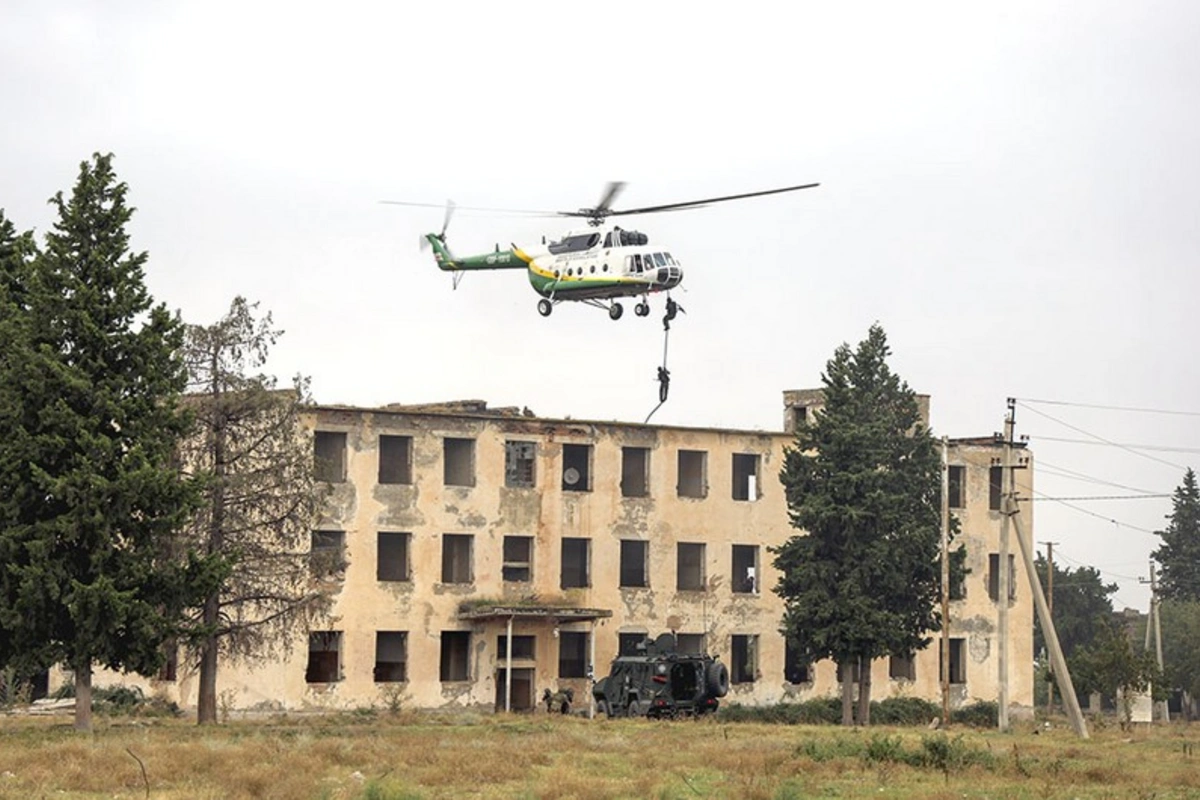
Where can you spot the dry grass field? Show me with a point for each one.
(374, 756)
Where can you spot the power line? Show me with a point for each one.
(1102, 439)
(1116, 522)
(1105, 497)
(1097, 569)
(1160, 448)
(1110, 408)
(1063, 472)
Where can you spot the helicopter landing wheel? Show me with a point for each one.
(544, 307)
(642, 309)
(615, 311)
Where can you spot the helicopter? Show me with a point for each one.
(597, 265)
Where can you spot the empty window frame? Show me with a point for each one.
(575, 563)
(743, 658)
(520, 459)
(329, 456)
(745, 569)
(745, 476)
(456, 558)
(693, 474)
(634, 572)
(392, 556)
(518, 559)
(691, 644)
(796, 668)
(902, 668)
(522, 647)
(629, 644)
(324, 657)
(327, 557)
(391, 656)
(994, 577)
(689, 572)
(995, 487)
(572, 654)
(458, 462)
(958, 585)
(957, 482)
(958, 660)
(455, 658)
(577, 468)
(799, 417)
(395, 459)
(635, 471)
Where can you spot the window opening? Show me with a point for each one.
(956, 485)
(994, 577)
(958, 661)
(395, 459)
(693, 473)
(391, 656)
(456, 558)
(745, 569)
(329, 456)
(522, 647)
(576, 475)
(575, 563)
(519, 460)
(743, 667)
(391, 556)
(572, 654)
(458, 461)
(327, 556)
(324, 657)
(796, 669)
(745, 476)
(690, 572)
(634, 563)
(456, 648)
(627, 643)
(902, 668)
(995, 487)
(635, 471)
(518, 559)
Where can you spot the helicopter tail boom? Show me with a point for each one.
(500, 259)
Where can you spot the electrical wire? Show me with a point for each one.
(1104, 497)
(1102, 439)
(1063, 472)
(1159, 448)
(1107, 408)
(1065, 557)
(1116, 522)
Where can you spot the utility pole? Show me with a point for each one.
(1152, 619)
(1050, 603)
(945, 582)
(1002, 592)
(1059, 663)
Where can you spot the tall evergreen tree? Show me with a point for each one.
(260, 499)
(86, 463)
(1179, 554)
(863, 481)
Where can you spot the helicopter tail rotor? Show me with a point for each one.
(441, 237)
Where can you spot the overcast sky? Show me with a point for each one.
(1011, 190)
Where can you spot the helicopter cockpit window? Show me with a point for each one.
(573, 244)
(670, 260)
(658, 259)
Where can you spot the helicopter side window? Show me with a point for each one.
(637, 262)
(658, 259)
(628, 264)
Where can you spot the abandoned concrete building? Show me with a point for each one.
(480, 556)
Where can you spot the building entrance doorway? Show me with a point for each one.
(522, 698)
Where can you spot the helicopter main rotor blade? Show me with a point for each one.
(611, 191)
(450, 206)
(699, 203)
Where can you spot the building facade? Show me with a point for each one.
(478, 557)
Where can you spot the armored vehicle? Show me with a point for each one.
(659, 681)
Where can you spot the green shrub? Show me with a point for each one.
(884, 749)
(811, 712)
(980, 714)
(903, 711)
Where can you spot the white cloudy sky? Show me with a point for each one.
(1010, 189)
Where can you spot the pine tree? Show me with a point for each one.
(92, 426)
(1179, 554)
(863, 482)
(260, 497)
